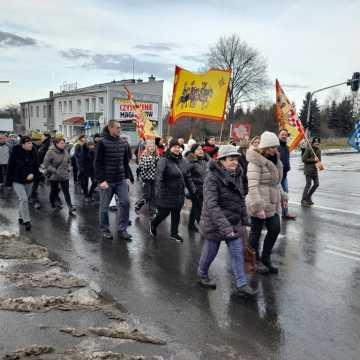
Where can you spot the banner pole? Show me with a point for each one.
(221, 131)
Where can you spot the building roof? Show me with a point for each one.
(76, 120)
(38, 100)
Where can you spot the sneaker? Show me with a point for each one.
(193, 228)
(137, 210)
(177, 238)
(206, 282)
(37, 205)
(58, 205)
(123, 234)
(261, 268)
(289, 217)
(310, 202)
(72, 209)
(246, 291)
(153, 231)
(21, 221)
(27, 226)
(107, 235)
(272, 269)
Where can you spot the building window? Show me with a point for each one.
(70, 106)
(65, 107)
(79, 106)
(31, 111)
(87, 105)
(26, 112)
(23, 112)
(37, 111)
(44, 111)
(101, 104)
(93, 107)
(60, 107)
(49, 111)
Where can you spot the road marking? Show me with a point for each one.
(328, 208)
(346, 251)
(342, 255)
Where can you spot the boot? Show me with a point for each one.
(206, 282)
(246, 291)
(267, 263)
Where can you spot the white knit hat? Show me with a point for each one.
(227, 150)
(268, 139)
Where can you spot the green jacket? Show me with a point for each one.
(308, 159)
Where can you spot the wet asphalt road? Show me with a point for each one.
(311, 310)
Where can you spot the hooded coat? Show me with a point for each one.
(198, 170)
(264, 183)
(172, 178)
(57, 164)
(224, 211)
(309, 161)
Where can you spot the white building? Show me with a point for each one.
(38, 114)
(87, 110)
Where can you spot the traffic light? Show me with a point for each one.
(355, 81)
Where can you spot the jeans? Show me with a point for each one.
(307, 191)
(163, 213)
(236, 250)
(195, 212)
(55, 190)
(273, 230)
(123, 205)
(148, 196)
(3, 170)
(285, 187)
(23, 192)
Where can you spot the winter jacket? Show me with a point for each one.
(211, 150)
(86, 158)
(265, 192)
(308, 159)
(244, 164)
(21, 164)
(198, 170)
(111, 159)
(172, 178)
(224, 211)
(284, 157)
(148, 167)
(4, 154)
(57, 164)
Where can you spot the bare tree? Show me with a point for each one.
(248, 67)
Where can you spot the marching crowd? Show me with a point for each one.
(231, 187)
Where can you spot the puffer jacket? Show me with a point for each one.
(198, 170)
(264, 179)
(172, 178)
(57, 164)
(224, 210)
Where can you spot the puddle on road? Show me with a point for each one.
(36, 352)
(51, 278)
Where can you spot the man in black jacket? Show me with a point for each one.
(112, 172)
(285, 159)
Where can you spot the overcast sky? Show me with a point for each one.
(307, 44)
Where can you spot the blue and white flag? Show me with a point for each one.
(354, 139)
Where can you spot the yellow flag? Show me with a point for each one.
(200, 95)
(287, 118)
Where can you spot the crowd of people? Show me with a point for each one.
(231, 187)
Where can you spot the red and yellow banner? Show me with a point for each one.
(287, 118)
(200, 95)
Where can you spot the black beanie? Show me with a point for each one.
(194, 147)
(25, 139)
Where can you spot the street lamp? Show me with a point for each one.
(353, 82)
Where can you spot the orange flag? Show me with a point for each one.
(287, 118)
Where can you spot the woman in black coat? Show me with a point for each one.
(172, 178)
(198, 162)
(224, 217)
